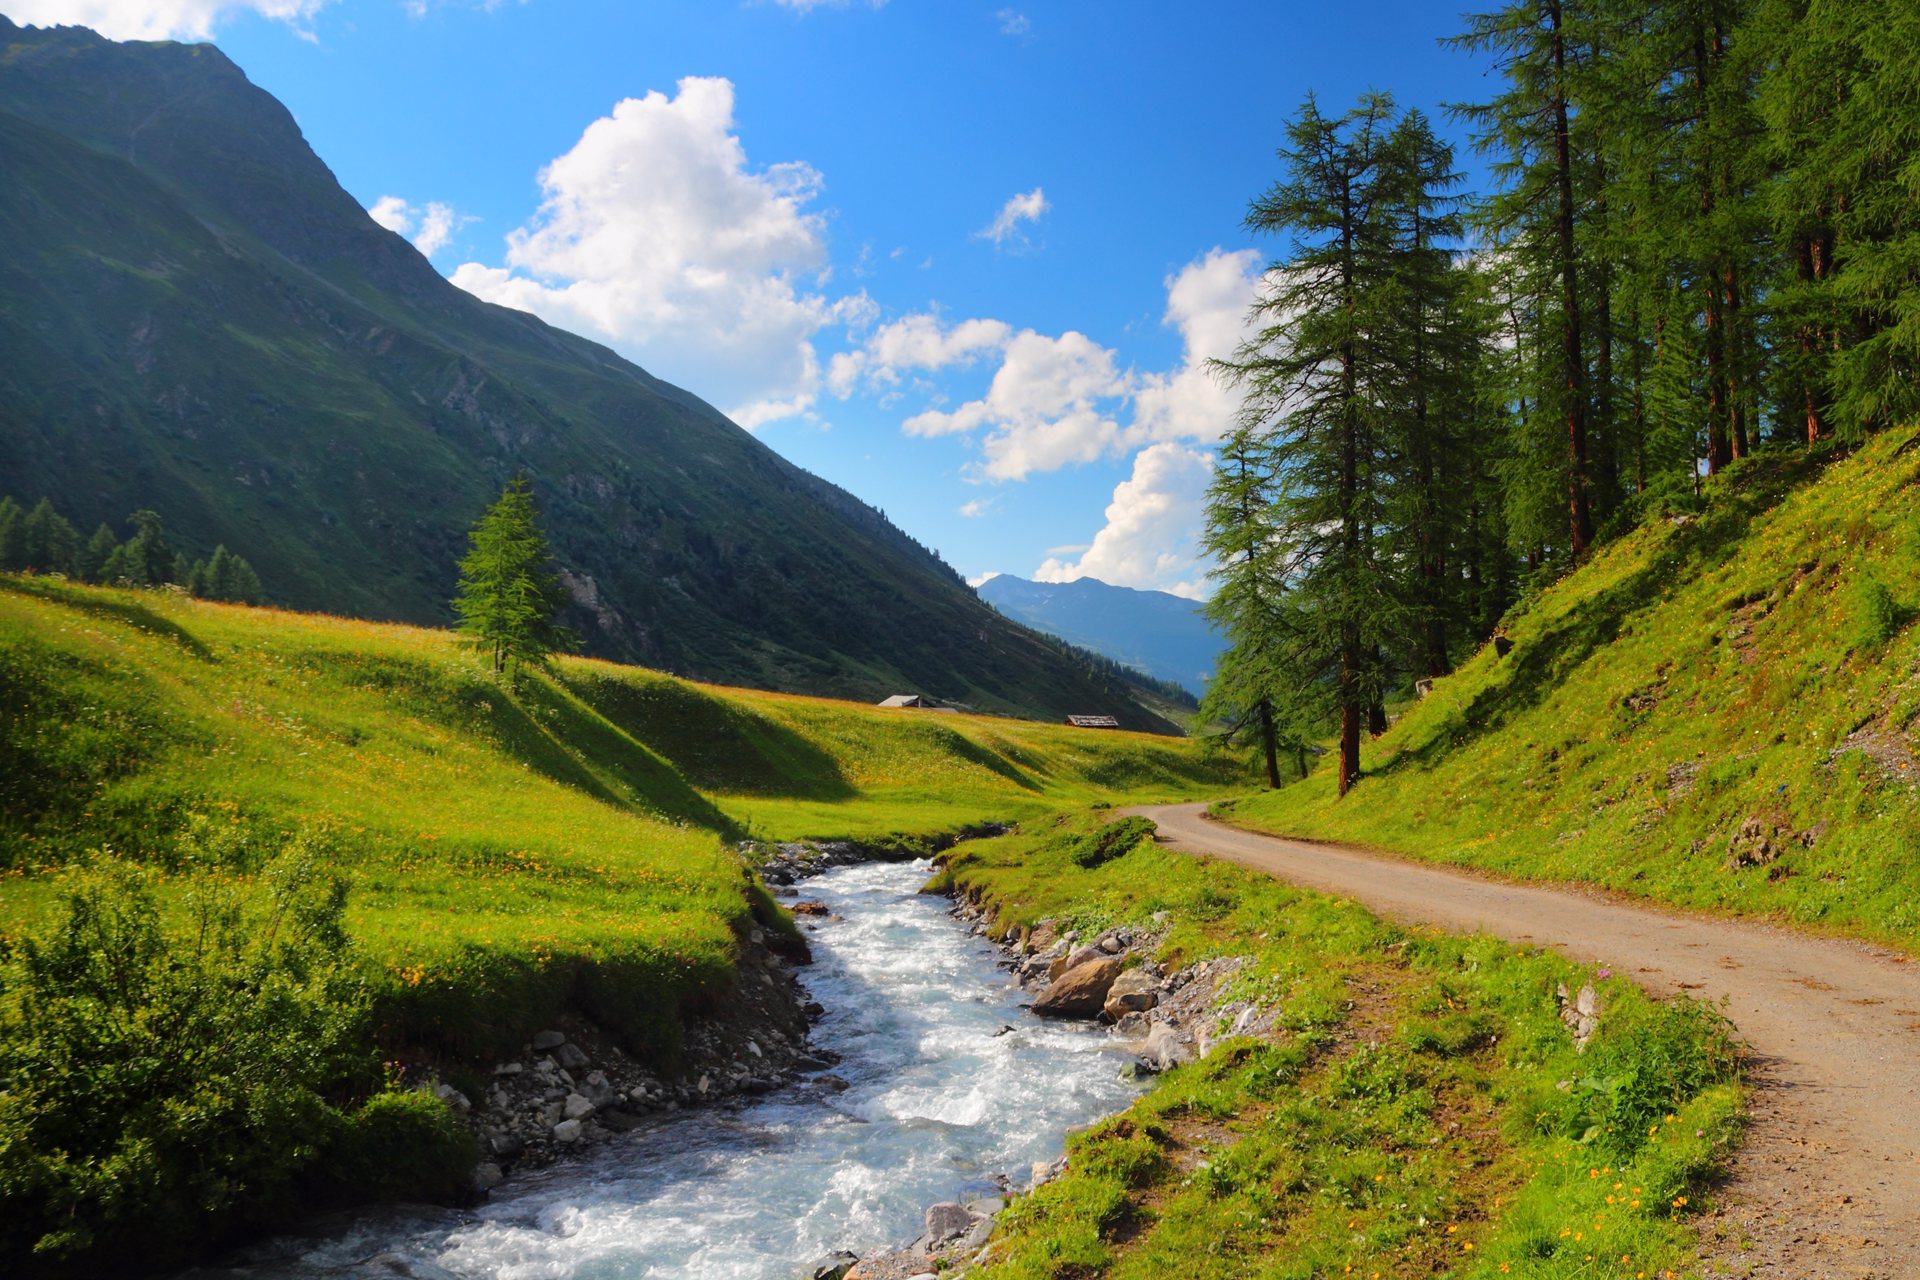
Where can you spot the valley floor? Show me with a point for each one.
(1827, 1183)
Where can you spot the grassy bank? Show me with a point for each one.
(1720, 711)
(1422, 1109)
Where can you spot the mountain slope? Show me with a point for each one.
(196, 318)
(1721, 711)
(1163, 635)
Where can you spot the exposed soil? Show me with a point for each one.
(1827, 1184)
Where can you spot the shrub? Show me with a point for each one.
(1878, 616)
(160, 1086)
(400, 1145)
(1642, 1065)
(1113, 840)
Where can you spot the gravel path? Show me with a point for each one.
(1827, 1184)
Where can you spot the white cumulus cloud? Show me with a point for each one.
(430, 227)
(1058, 401)
(1028, 206)
(916, 343)
(1013, 22)
(1051, 403)
(656, 235)
(158, 19)
(1208, 301)
(1153, 523)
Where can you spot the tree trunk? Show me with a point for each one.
(1350, 651)
(1808, 256)
(1267, 742)
(1573, 361)
(1349, 738)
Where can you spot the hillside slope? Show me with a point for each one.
(1161, 634)
(582, 822)
(195, 317)
(1721, 711)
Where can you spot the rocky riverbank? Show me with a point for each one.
(571, 1087)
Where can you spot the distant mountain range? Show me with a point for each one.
(196, 318)
(1164, 635)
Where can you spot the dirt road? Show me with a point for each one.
(1828, 1183)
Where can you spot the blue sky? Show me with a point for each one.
(961, 258)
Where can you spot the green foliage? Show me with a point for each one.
(1643, 1065)
(509, 593)
(1112, 840)
(1879, 616)
(162, 1082)
(398, 1145)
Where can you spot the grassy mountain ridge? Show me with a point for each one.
(1721, 710)
(195, 317)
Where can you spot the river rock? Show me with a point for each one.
(1080, 991)
(1134, 991)
(487, 1176)
(598, 1090)
(830, 1266)
(567, 1132)
(947, 1221)
(986, 1206)
(570, 1056)
(577, 1107)
(1163, 1050)
(546, 1040)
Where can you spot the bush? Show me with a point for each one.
(1879, 617)
(159, 1087)
(400, 1145)
(1114, 840)
(1641, 1066)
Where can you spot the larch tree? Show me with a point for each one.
(509, 593)
(1529, 128)
(1313, 379)
(1254, 692)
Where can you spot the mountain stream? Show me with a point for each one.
(939, 1099)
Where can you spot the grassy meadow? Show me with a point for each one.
(1720, 711)
(508, 852)
(1421, 1111)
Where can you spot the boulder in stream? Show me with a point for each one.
(1080, 991)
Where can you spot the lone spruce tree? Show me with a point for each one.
(509, 593)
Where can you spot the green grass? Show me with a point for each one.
(1421, 1111)
(511, 854)
(1756, 667)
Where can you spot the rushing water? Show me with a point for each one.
(940, 1100)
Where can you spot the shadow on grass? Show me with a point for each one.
(1540, 663)
(115, 605)
(713, 744)
(565, 738)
